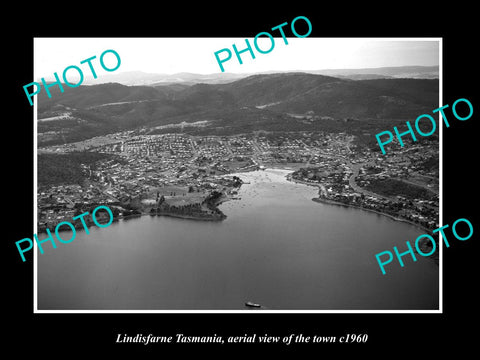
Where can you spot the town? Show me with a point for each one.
(177, 174)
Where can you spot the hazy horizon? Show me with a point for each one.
(269, 71)
(169, 56)
(138, 77)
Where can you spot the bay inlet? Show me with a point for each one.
(277, 248)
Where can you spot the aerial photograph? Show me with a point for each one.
(260, 188)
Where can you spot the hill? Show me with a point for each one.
(259, 90)
(259, 102)
(88, 96)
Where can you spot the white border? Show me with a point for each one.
(440, 243)
(35, 192)
(440, 185)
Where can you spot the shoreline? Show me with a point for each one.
(434, 257)
(207, 217)
(188, 217)
(225, 198)
(338, 203)
(90, 223)
(333, 202)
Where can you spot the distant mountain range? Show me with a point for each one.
(153, 79)
(273, 102)
(410, 72)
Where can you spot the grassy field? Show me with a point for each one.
(174, 195)
(393, 187)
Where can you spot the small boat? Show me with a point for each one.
(253, 305)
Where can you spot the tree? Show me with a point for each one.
(162, 199)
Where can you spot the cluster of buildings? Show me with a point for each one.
(143, 163)
(62, 202)
(350, 181)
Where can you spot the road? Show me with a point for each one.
(351, 181)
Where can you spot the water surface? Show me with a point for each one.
(276, 247)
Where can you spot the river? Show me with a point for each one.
(277, 248)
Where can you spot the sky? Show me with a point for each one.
(196, 55)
